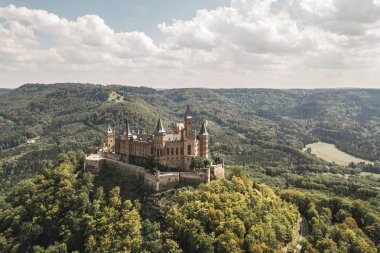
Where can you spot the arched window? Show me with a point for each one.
(189, 149)
(176, 151)
(172, 151)
(167, 151)
(181, 151)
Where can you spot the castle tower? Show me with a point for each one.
(188, 123)
(203, 141)
(159, 134)
(109, 138)
(125, 146)
(127, 128)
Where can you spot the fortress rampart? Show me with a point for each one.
(158, 181)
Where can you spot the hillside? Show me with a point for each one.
(263, 130)
(248, 126)
(59, 212)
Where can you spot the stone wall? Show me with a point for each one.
(111, 156)
(150, 182)
(217, 171)
(194, 178)
(168, 180)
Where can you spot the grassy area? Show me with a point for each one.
(330, 153)
(115, 97)
(377, 176)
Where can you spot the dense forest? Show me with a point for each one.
(47, 129)
(63, 211)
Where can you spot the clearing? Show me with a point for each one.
(115, 97)
(330, 153)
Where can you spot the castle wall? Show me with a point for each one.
(217, 171)
(129, 168)
(112, 156)
(168, 180)
(192, 178)
(137, 177)
(94, 165)
(151, 183)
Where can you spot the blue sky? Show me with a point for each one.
(177, 43)
(124, 15)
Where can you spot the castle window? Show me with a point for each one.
(181, 151)
(167, 151)
(176, 151)
(189, 149)
(152, 150)
(172, 151)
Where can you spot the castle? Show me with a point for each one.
(173, 150)
(121, 153)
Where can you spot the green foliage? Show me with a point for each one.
(152, 163)
(337, 225)
(114, 227)
(54, 212)
(200, 163)
(231, 216)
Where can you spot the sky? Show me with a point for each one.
(177, 43)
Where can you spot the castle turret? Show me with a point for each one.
(203, 141)
(159, 134)
(109, 138)
(188, 123)
(125, 140)
(127, 129)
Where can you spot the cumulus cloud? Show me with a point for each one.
(273, 43)
(86, 40)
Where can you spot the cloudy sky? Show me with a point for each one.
(197, 43)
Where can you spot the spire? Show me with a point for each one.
(109, 129)
(127, 128)
(187, 113)
(159, 127)
(203, 129)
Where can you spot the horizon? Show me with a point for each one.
(210, 88)
(278, 44)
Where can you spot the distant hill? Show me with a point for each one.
(4, 90)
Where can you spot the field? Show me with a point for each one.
(330, 153)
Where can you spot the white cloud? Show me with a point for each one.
(251, 42)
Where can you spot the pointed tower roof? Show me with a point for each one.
(159, 127)
(187, 113)
(204, 129)
(109, 129)
(127, 128)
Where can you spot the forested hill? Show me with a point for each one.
(248, 126)
(62, 210)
